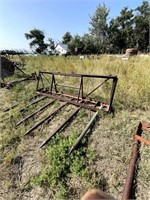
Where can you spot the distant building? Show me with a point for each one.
(61, 49)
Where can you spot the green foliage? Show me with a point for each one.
(37, 36)
(61, 164)
(67, 38)
(51, 45)
(141, 21)
(75, 46)
(99, 27)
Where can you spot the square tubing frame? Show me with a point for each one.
(53, 84)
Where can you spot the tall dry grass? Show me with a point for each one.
(133, 88)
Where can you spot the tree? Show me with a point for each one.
(99, 27)
(37, 36)
(125, 22)
(51, 45)
(88, 44)
(121, 32)
(67, 38)
(75, 46)
(142, 20)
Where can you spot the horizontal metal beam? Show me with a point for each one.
(68, 86)
(79, 75)
(72, 102)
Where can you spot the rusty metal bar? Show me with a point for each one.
(52, 81)
(69, 86)
(37, 111)
(73, 102)
(15, 105)
(19, 81)
(115, 80)
(80, 89)
(96, 88)
(74, 146)
(90, 100)
(55, 85)
(131, 171)
(79, 75)
(25, 108)
(61, 127)
(45, 119)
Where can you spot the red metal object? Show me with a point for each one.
(131, 171)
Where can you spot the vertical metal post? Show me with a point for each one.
(112, 92)
(80, 93)
(42, 81)
(51, 88)
(55, 84)
(38, 79)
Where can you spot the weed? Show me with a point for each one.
(61, 165)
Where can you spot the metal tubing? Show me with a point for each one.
(72, 102)
(52, 81)
(79, 75)
(112, 93)
(61, 127)
(80, 89)
(131, 170)
(37, 111)
(69, 86)
(83, 133)
(45, 119)
(97, 87)
(25, 108)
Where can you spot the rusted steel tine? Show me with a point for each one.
(97, 87)
(45, 119)
(15, 105)
(37, 111)
(74, 146)
(12, 107)
(131, 170)
(61, 127)
(25, 108)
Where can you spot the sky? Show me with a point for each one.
(53, 17)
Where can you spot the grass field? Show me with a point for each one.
(28, 172)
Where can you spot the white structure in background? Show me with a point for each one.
(62, 49)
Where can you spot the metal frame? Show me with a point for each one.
(53, 92)
(128, 187)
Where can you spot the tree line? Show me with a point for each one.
(128, 30)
